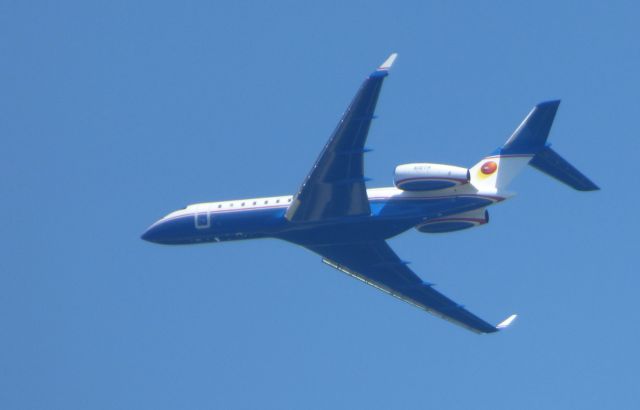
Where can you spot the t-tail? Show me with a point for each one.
(528, 145)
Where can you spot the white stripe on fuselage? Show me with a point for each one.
(374, 194)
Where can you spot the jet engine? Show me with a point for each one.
(456, 222)
(429, 177)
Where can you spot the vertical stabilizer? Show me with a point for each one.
(495, 172)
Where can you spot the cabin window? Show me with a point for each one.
(277, 201)
(266, 202)
(289, 200)
(242, 204)
(219, 206)
(254, 202)
(231, 205)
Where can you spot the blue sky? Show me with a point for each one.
(113, 114)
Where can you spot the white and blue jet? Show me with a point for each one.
(334, 214)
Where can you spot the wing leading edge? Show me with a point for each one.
(376, 264)
(335, 186)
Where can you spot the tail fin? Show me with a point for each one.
(528, 145)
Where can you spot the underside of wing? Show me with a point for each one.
(335, 186)
(376, 264)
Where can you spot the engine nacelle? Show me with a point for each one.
(457, 222)
(429, 177)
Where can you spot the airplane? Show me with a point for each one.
(334, 214)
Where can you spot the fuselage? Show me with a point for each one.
(393, 211)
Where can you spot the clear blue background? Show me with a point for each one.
(113, 114)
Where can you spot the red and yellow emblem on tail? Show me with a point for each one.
(486, 169)
(489, 167)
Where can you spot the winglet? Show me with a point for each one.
(388, 62)
(505, 323)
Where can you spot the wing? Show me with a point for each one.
(335, 186)
(377, 265)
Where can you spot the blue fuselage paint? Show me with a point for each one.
(389, 217)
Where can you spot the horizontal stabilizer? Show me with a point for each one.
(552, 164)
(505, 323)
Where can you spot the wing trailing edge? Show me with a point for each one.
(375, 264)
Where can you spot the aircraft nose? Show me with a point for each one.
(169, 231)
(151, 234)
